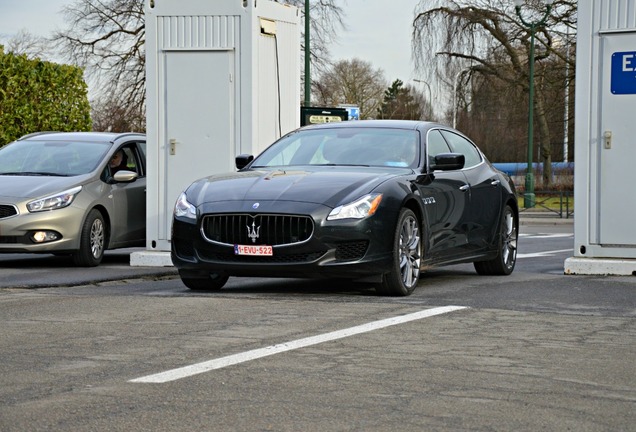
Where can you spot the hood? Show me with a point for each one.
(320, 185)
(27, 187)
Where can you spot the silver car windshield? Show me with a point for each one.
(344, 146)
(58, 158)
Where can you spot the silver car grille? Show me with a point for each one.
(259, 229)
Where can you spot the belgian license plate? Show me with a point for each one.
(260, 250)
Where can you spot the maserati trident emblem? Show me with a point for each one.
(253, 232)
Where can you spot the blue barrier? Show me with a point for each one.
(519, 168)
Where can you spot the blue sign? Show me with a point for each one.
(354, 113)
(623, 73)
(352, 110)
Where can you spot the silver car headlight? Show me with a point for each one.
(358, 209)
(184, 209)
(54, 202)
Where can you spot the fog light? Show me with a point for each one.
(44, 236)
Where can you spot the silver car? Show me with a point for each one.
(76, 193)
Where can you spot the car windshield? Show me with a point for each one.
(344, 146)
(56, 158)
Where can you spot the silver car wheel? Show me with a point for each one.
(509, 239)
(97, 238)
(506, 247)
(404, 275)
(92, 240)
(410, 252)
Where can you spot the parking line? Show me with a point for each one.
(186, 371)
(543, 254)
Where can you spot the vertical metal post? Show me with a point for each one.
(529, 197)
(307, 57)
(566, 111)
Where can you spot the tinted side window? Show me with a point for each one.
(461, 145)
(131, 158)
(142, 148)
(435, 145)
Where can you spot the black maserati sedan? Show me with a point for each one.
(377, 201)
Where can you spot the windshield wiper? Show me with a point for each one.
(343, 164)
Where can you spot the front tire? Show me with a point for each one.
(407, 257)
(504, 262)
(92, 241)
(214, 282)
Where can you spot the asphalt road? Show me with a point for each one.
(137, 351)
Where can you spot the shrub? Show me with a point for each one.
(40, 96)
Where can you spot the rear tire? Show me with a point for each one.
(214, 282)
(407, 256)
(92, 241)
(504, 262)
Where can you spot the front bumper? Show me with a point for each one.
(345, 249)
(15, 231)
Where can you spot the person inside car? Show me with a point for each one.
(118, 162)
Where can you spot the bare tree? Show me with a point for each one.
(326, 20)
(111, 115)
(107, 37)
(30, 45)
(486, 37)
(351, 82)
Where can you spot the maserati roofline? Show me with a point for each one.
(391, 124)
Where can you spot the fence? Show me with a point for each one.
(560, 203)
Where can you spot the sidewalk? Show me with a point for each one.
(543, 217)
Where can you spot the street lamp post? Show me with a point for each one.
(455, 84)
(430, 96)
(528, 197)
(455, 88)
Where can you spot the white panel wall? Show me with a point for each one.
(615, 14)
(199, 120)
(604, 229)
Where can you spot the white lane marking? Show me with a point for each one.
(230, 360)
(542, 236)
(544, 254)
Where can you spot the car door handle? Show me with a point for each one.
(464, 188)
(495, 182)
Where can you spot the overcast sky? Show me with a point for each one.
(378, 30)
(39, 17)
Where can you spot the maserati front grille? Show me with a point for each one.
(259, 229)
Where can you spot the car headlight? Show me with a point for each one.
(54, 202)
(184, 209)
(359, 209)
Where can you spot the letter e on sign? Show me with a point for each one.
(623, 78)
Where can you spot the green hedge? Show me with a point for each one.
(40, 96)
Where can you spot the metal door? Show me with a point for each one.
(616, 142)
(199, 137)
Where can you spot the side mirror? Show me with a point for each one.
(125, 176)
(448, 162)
(243, 160)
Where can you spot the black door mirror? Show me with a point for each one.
(243, 160)
(448, 162)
